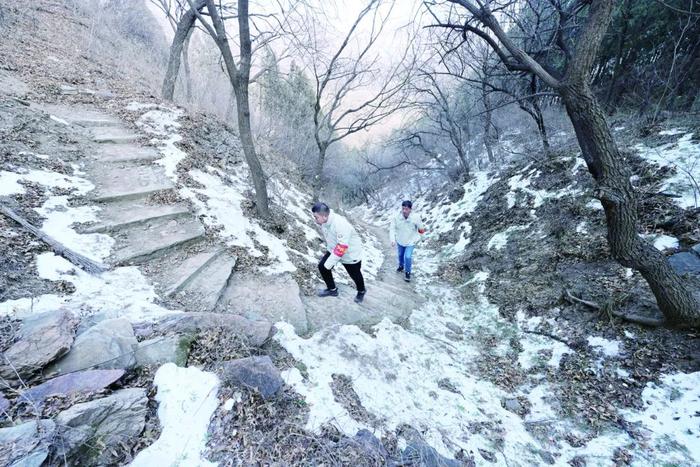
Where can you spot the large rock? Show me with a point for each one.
(256, 373)
(72, 384)
(278, 300)
(108, 344)
(420, 453)
(164, 349)
(372, 448)
(254, 332)
(685, 263)
(26, 445)
(43, 338)
(88, 431)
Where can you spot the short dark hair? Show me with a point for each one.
(407, 204)
(320, 208)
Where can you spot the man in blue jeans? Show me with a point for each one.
(406, 229)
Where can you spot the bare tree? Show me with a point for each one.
(577, 53)
(183, 26)
(339, 110)
(442, 117)
(175, 11)
(239, 76)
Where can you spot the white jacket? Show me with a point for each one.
(406, 231)
(342, 241)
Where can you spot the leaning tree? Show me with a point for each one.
(564, 64)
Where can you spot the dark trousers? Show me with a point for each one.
(354, 270)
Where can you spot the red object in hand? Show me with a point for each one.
(421, 231)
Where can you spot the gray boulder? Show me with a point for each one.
(82, 382)
(254, 332)
(685, 263)
(42, 338)
(26, 445)
(108, 344)
(165, 349)
(257, 373)
(247, 298)
(87, 431)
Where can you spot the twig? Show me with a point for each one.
(638, 319)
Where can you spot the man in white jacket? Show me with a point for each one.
(405, 230)
(343, 245)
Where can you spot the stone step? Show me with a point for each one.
(120, 214)
(76, 115)
(204, 289)
(109, 152)
(144, 241)
(379, 303)
(117, 135)
(122, 183)
(176, 280)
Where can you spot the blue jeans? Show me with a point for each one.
(405, 256)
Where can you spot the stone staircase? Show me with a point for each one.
(166, 240)
(190, 270)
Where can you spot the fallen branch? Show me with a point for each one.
(551, 336)
(83, 262)
(638, 319)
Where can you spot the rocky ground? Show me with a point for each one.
(486, 359)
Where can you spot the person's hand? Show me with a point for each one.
(393, 244)
(328, 266)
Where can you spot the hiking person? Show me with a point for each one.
(405, 230)
(343, 244)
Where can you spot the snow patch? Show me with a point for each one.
(499, 240)
(671, 416)
(606, 347)
(662, 242)
(683, 155)
(121, 292)
(186, 401)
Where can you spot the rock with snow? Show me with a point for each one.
(257, 373)
(277, 301)
(43, 338)
(72, 384)
(255, 332)
(111, 422)
(513, 405)
(108, 344)
(164, 349)
(26, 445)
(685, 263)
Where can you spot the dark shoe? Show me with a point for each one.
(360, 296)
(399, 269)
(407, 277)
(328, 293)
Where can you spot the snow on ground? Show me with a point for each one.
(120, 292)
(662, 242)
(60, 216)
(520, 183)
(684, 156)
(606, 347)
(162, 123)
(403, 376)
(671, 417)
(499, 240)
(187, 398)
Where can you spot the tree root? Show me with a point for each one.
(632, 318)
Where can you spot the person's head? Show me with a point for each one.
(320, 212)
(406, 207)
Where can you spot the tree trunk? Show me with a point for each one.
(182, 32)
(487, 122)
(619, 202)
(541, 128)
(246, 135)
(318, 172)
(619, 47)
(186, 65)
